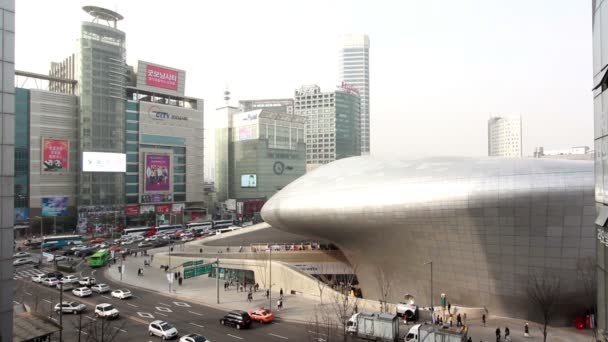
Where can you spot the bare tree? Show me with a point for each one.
(102, 330)
(262, 265)
(587, 275)
(384, 285)
(342, 304)
(544, 293)
(321, 326)
(321, 281)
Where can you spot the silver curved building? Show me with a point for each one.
(487, 224)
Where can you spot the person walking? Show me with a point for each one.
(180, 281)
(497, 334)
(483, 319)
(267, 293)
(458, 320)
(464, 318)
(470, 339)
(281, 293)
(507, 333)
(526, 330)
(449, 308)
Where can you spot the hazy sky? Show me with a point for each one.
(438, 68)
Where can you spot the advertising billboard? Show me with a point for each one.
(157, 175)
(22, 214)
(144, 209)
(178, 208)
(245, 133)
(104, 162)
(163, 208)
(132, 210)
(160, 77)
(249, 181)
(54, 206)
(55, 155)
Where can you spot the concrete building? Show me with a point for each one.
(332, 123)
(354, 71)
(258, 153)
(7, 168)
(489, 225)
(164, 133)
(600, 105)
(504, 137)
(278, 106)
(573, 153)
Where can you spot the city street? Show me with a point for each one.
(137, 312)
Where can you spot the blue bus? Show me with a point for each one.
(219, 224)
(61, 240)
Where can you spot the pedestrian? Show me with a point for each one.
(281, 293)
(470, 339)
(507, 333)
(151, 257)
(464, 318)
(180, 281)
(280, 304)
(450, 319)
(526, 330)
(458, 320)
(250, 296)
(267, 293)
(497, 334)
(483, 319)
(449, 308)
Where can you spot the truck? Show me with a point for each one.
(409, 311)
(374, 326)
(436, 333)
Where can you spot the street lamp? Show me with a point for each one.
(431, 301)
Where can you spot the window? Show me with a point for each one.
(179, 178)
(179, 198)
(132, 157)
(132, 137)
(132, 148)
(179, 150)
(132, 178)
(132, 168)
(132, 126)
(132, 189)
(179, 188)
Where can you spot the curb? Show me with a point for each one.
(214, 306)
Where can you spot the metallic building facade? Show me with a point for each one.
(600, 109)
(487, 224)
(504, 137)
(7, 171)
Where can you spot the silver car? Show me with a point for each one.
(100, 288)
(73, 307)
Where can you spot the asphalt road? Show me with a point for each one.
(137, 312)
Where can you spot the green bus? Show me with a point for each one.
(100, 258)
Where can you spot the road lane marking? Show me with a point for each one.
(162, 314)
(279, 336)
(164, 304)
(84, 332)
(163, 309)
(198, 325)
(27, 293)
(106, 297)
(240, 338)
(182, 304)
(195, 313)
(117, 328)
(145, 315)
(135, 306)
(48, 301)
(91, 318)
(316, 333)
(54, 319)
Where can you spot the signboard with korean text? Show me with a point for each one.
(132, 210)
(178, 208)
(163, 208)
(160, 78)
(55, 155)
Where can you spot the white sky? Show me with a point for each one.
(438, 68)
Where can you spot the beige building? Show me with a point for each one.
(504, 137)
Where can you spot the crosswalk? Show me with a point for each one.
(26, 273)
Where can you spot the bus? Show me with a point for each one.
(100, 258)
(219, 224)
(149, 231)
(60, 241)
(199, 227)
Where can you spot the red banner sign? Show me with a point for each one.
(163, 208)
(161, 77)
(55, 155)
(132, 210)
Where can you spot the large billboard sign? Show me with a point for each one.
(55, 155)
(54, 206)
(158, 172)
(249, 181)
(104, 162)
(161, 77)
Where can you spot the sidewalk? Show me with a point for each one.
(301, 309)
(202, 289)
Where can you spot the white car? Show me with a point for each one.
(151, 238)
(187, 238)
(126, 242)
(78, 248)
(69, 279)
(100, 288)
(106, 310)
(21, 255)
(52, 282)
(39, 278)
(72, 307)
(121, 294)
(22, 261)
(138, 238)
(82, 292)
(65, 286)
(193, 338)
(87, 281)
(162, 329)
(59, 258)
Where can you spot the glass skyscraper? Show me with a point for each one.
(354, 71)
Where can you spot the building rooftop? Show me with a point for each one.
(28, 326)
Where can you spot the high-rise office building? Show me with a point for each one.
(332, 123)
(354, 71)
(504, 137)
(600, 102)
(7, 171)
(99, 66)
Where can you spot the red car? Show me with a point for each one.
(98, 240)
(261, 315)
(116, 248)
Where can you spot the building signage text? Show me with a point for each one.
(349, 88)
(161, 77)
(157, 114)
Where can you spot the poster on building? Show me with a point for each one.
(157, 173)
(178, 208)
(144, 209)
(161, 77)
(55, 155)
(245, 133)
(54, 206)
(132, 210)
(22, 214)
(163, 208)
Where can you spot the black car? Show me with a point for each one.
(85, 252)
(57, 275)
(237, 318)
(160, 243)
(68, 252)
(52, 248)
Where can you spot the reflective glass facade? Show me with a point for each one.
(22, 147)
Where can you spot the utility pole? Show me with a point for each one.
(270, 287)
(431, 301)
(217, 278)
(60, 312)
(114, 228)
(79, 325)
(172, 275)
